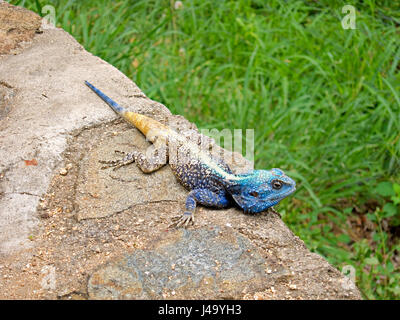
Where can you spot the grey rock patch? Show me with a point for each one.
(7, 94)
(190, 264)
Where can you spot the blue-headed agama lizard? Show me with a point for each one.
(209, 180)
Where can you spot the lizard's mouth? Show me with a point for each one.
(283, 195)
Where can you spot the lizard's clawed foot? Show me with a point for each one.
(115, 164)
(183, 221)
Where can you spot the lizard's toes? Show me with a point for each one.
(184, 220)
(116, 164)
(108, 164)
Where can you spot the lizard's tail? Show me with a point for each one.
(143, 123)
(115, 106)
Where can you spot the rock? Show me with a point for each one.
(102, 193)
(216, 263)
(111, 227)
(187, 264)
(43, 102)
(63, 171)
(16, 25)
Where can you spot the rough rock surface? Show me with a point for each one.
(191, 264)
(16, 25)
(69, 229)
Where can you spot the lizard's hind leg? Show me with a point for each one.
(152, 160)
(115, 164)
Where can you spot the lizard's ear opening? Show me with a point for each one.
(239, 200)
(236, 193)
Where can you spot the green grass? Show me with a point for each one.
(324, 101)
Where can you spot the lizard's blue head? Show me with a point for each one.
(261, 189)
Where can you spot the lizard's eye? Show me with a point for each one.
(254, 193)
(276, 184)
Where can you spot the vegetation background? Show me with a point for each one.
(324, 102)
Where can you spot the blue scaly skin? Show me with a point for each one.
(209, 180)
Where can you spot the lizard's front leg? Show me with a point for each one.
(205, 197)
